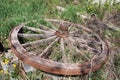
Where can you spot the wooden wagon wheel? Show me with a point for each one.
(65, 49)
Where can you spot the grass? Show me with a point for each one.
(14, 12)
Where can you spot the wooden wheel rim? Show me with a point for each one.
(51, 66)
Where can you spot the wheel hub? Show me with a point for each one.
(62, 31)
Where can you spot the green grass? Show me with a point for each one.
(14, 12)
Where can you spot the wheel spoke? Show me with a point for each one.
(89, 49)
(35, 35)
(46, 28)
(94, 51)
(84, 41)
(43, 54)
(84, 44)
(70, 27)
(73, 41)
(78, 34)
(38, 42)
(38, 30)
(78, 40)
(73, 47)
(78, 51)
(62, 48)
(34, 49)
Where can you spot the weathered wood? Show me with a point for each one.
(46, 49)
(92, 50)
(89, 49)
(82, 43)
(56, 67)
(62, 48)
(38, 30)
(113, 27)
(38, 42)
(35, 35)
(46, 28)
(79, 52)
